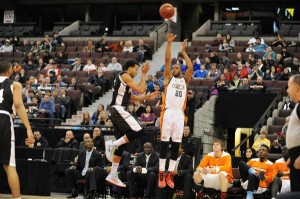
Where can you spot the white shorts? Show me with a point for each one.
(213, 180)
(172, 125)
(286, 186)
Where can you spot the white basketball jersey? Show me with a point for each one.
(176, 94)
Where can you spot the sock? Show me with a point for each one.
(119, 141)
(114, 168)
(249, 195)
(172, 165)
(223, 195)
(252, 171)
(162, 164)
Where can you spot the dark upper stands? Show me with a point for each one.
(136, 28)
(17, 29)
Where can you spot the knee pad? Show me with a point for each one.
(164, 150)
(174, 150)
(132, 135)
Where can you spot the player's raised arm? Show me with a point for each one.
(189, 72)
(150, 96)
(167, 70)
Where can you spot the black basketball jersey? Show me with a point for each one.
(121, 92)
(6, 95)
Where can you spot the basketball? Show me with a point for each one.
(166, 11)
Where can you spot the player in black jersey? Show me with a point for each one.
(124, 123)
(10, 98)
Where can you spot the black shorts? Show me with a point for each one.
(123, 121)
(7, 141)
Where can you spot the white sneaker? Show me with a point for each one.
(110, 150)
(112, 178)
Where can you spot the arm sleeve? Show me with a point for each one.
(227, 164)
(269, 175)
(203, 163)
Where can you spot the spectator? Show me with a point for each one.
(102, 67)
(83, 167)
(108, 124)
(230, 41)
(269, 51)
(271, 75)
(47, 108)
(116, 47)
(89, 48)
(261, 140)
(196, 63)
(46, 46)
(139, 108)
(61, 58)
(57, 40)
(144, 171)
(37, 47)
(143, 51)
(102, 118)
(114, 65)
(255, 73)
(279, 42)
(7, 47)
(150, 85)
(41, 65)
(33, 107)
(214, 58)
(73, 85)
(82, 147)
(207, 63)
(86, 119)
(130, 109)
(96, 114)
(215, 170)
(148, 118)
(214, 73)
(200, 74)
(128, 46)
(188, 144)
(68, 141)
(100, 82)
(26, 47)
(222, 84)
(47, 56)
(44, 86)
(26, 90)
(98, 139)
(39, 141)
(250, 49)
(253, 40)
(64, 102)
(89, 66)
(52, 67)
(257, 174)
(239, 59)
(235, 81)
(218, 40)
(258, 85)
(77, 66)
(101, 46)
(259, 46)
(241, 71)
(285, 75)
(182, 175)
(286, 55)
(249, 154)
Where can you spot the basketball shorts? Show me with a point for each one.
(172, 125)
(213, 180)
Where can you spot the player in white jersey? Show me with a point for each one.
(172, 115)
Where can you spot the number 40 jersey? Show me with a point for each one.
(175, 94)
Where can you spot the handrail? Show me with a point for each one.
(260, 122)
(156, 31)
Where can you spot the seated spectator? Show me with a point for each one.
(261, 140)
(59, 80)
(239, 59)
(215, 170)
(150, 86)
(26, 90)
(108, 124)
(77, 66)
(277, 145)
(196, 63)
(230, 41)
(258, 85)
(271, 75)
(200, 74)
(46, 58)
(89, 66)
(245, 84)
(15, 41)
(251, 60)
(285, 75)
(46, 46)
(89, 48)
(26, 47)
(255, 73)
(286, 55)
(86, 119)
(82, 147)
(147, 118)
(33, 107)
(222, 84)
(218, 40)
(278, 62)
(269, 51)
(101, 46)
(281, 182)
(52, 67)
(149, 79)
(7, 47)
(116, 47)
(279, 42)
(182, 175)
(38, 47)
(102, 67)
(64, 102)
(68, 141)
(259, 46)
(96, 114)
(213, 73)
(188, 144)
(44, 86)
(102, 118)
(83, 167)
(51, 78)
(47, 108)
(41, 65)
(257, 174)
(207, 63)
(250, 49)
(249, 154)
(143, 51)
(73, 85)
(144, 171)
(253, 40)
(39, 141)
(130, 109)
(214, 58)
(57, 40)
(98, 139)
(139, 108)
(114, 65)
(241, 70)
(235, 82)
(61, 58)
(128, 46)
(99, 82)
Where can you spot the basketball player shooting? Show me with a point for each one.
(124, 123)
(172, 115)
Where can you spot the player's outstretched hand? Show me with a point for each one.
(30, 138)
(184, 44)
(171, 37)
(146, 67)
(153, 95)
